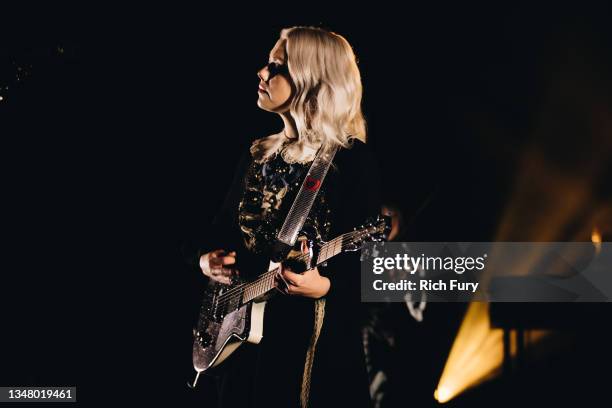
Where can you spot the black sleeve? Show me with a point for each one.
(216, 234)
(357, 198)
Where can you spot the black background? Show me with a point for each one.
(120, 146)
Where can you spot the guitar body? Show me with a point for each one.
(233, 314)
(242, 325)
(219, 336)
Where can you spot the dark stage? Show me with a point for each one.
(122, 129)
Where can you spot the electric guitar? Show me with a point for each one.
(233, 314)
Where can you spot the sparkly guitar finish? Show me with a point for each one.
(233, 314)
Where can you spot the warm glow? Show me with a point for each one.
(547, 198)
(442, 395)
(475, 356)
(596, 239)
(596, 236)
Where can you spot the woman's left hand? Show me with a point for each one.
(308, 284)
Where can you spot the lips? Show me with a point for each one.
(262, 89)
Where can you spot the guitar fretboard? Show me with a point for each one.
(267, 281)
(230, 298)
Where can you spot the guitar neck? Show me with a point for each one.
(331, 248)
(267, 281)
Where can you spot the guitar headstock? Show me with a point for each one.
(375, 230)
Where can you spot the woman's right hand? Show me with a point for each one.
(214, 265)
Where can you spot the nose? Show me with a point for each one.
(263, 74)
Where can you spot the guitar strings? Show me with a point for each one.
(228, 297)
(234, 293)
(302, 257)
(267, 274)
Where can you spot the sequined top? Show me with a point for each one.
(269, 191)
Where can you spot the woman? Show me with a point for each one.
(311, 352)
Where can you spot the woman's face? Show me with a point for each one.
(275, 85)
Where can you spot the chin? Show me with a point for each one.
(263, 106)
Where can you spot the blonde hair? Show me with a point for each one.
(326, 104)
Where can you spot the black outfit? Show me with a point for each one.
(270, 374)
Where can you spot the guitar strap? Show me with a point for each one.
(302, 204)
